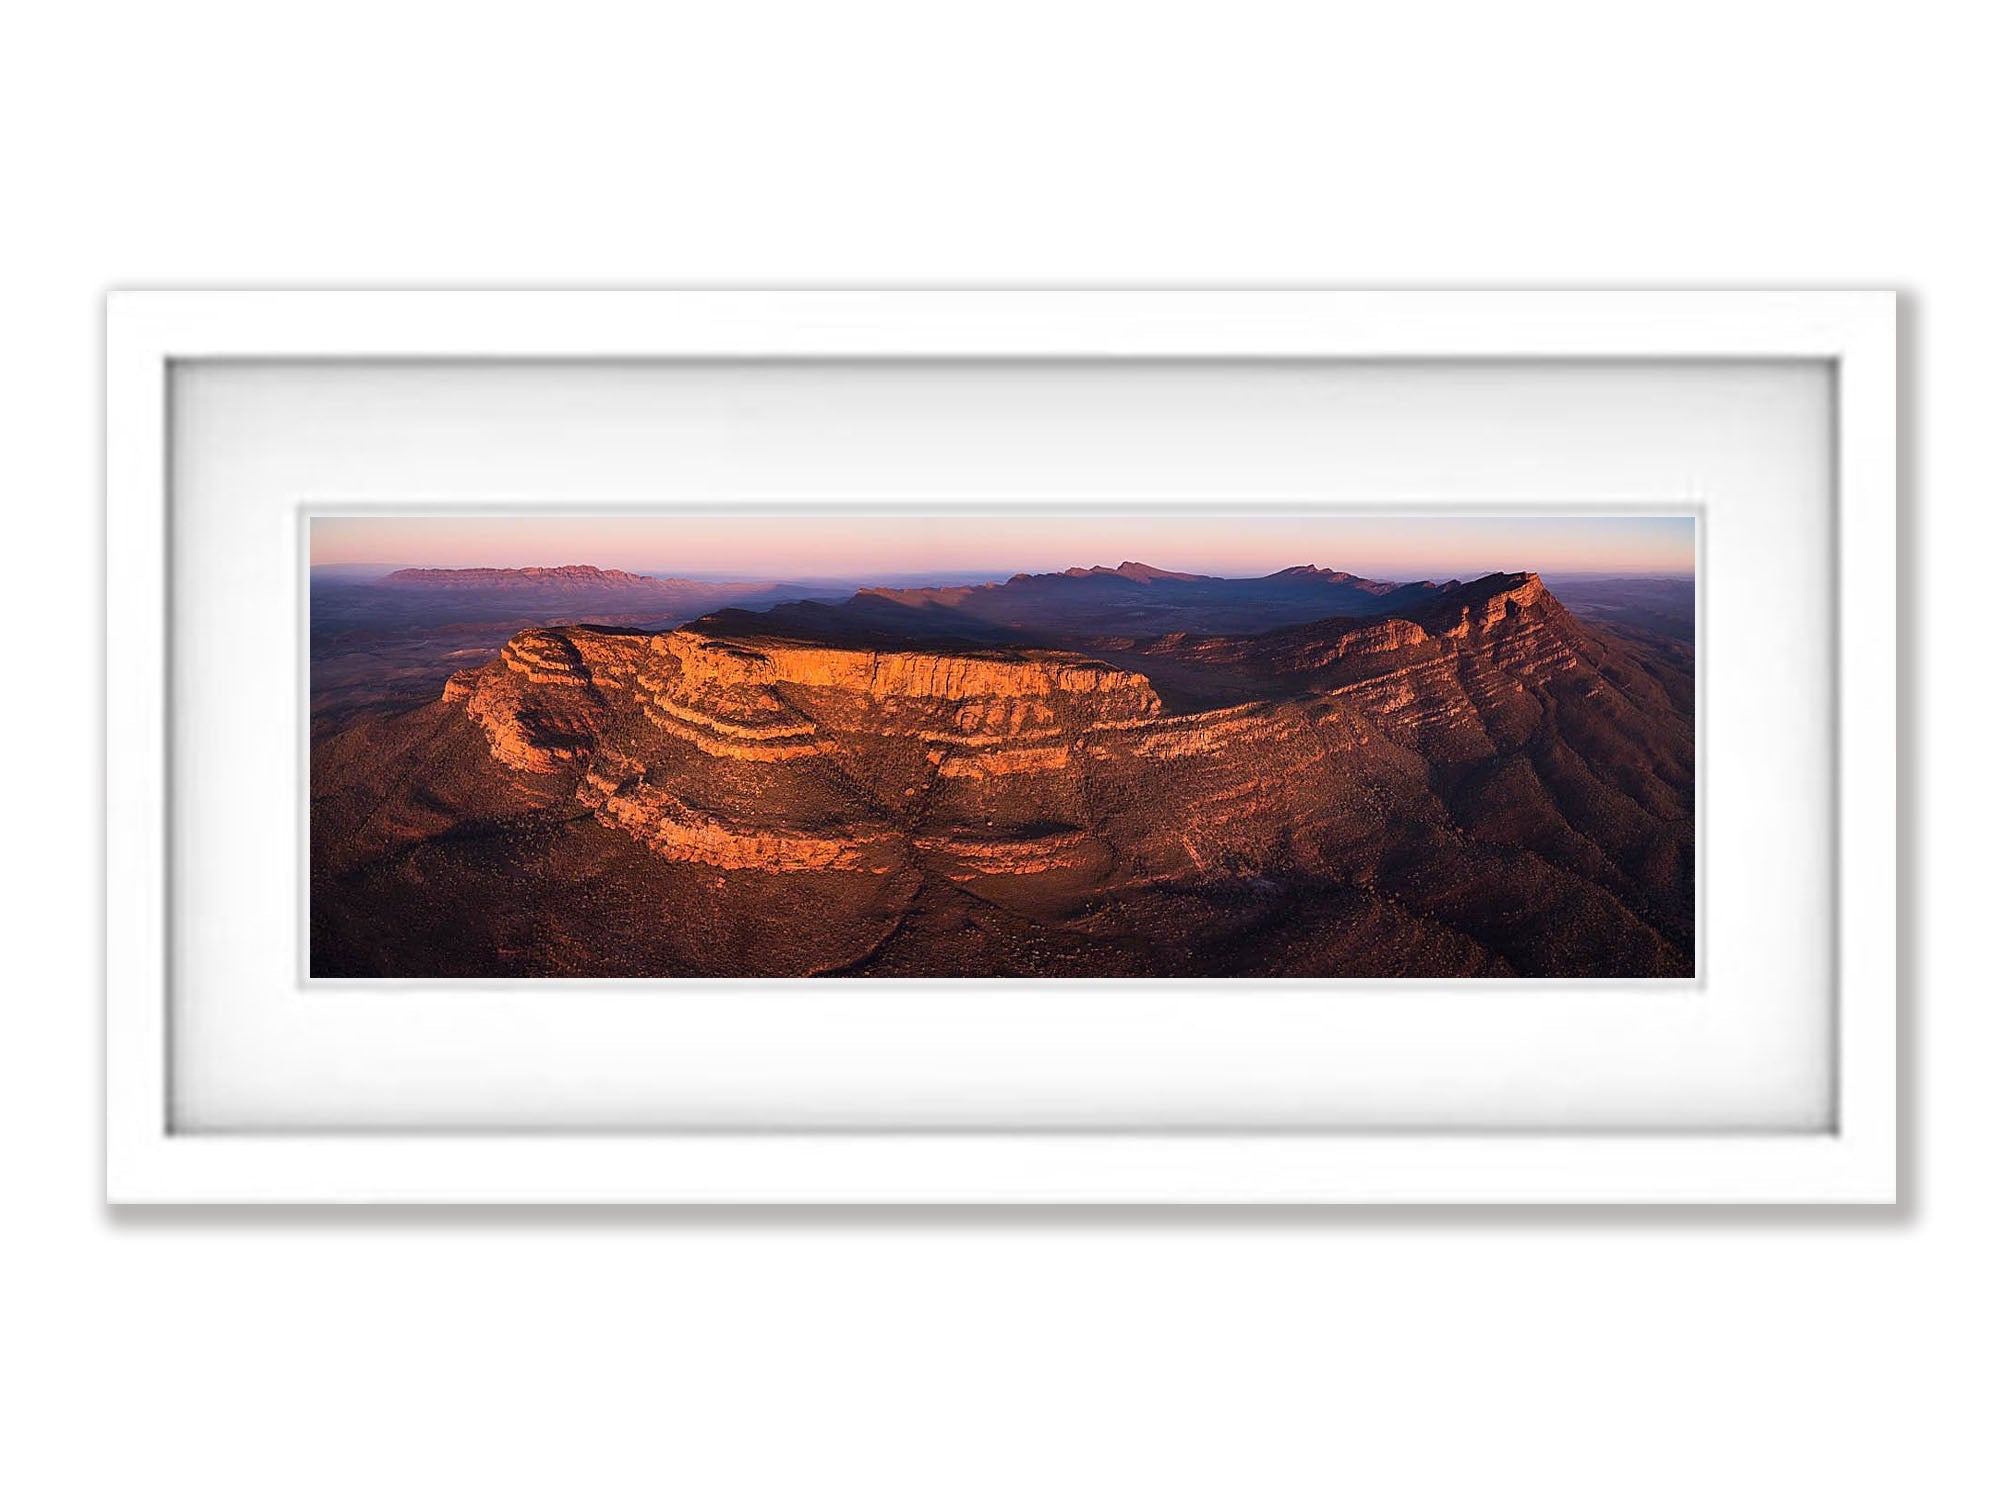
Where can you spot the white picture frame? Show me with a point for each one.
(1853, 1161)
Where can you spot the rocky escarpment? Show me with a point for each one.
(543, 704)
(694, 745)
(792, 756)
(1298, 649)
(729, 750)
(1477, 785)
(1459, 679)
(1523, 627)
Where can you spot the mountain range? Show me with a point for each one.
(1101, 771)
(1131, 600)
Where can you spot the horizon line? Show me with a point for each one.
(1244, 545)
(735, 575)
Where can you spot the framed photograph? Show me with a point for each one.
(1001, 747)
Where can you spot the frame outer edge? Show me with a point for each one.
(1856, 330)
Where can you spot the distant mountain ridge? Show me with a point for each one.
(1132, 601)
(1136, 572)
(567, 576)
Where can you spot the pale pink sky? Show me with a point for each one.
(854, 545)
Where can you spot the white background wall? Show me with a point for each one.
(1446, 1353)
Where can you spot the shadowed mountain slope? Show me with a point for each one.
(1130, 601)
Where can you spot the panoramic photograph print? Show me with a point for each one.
(1001, 745)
